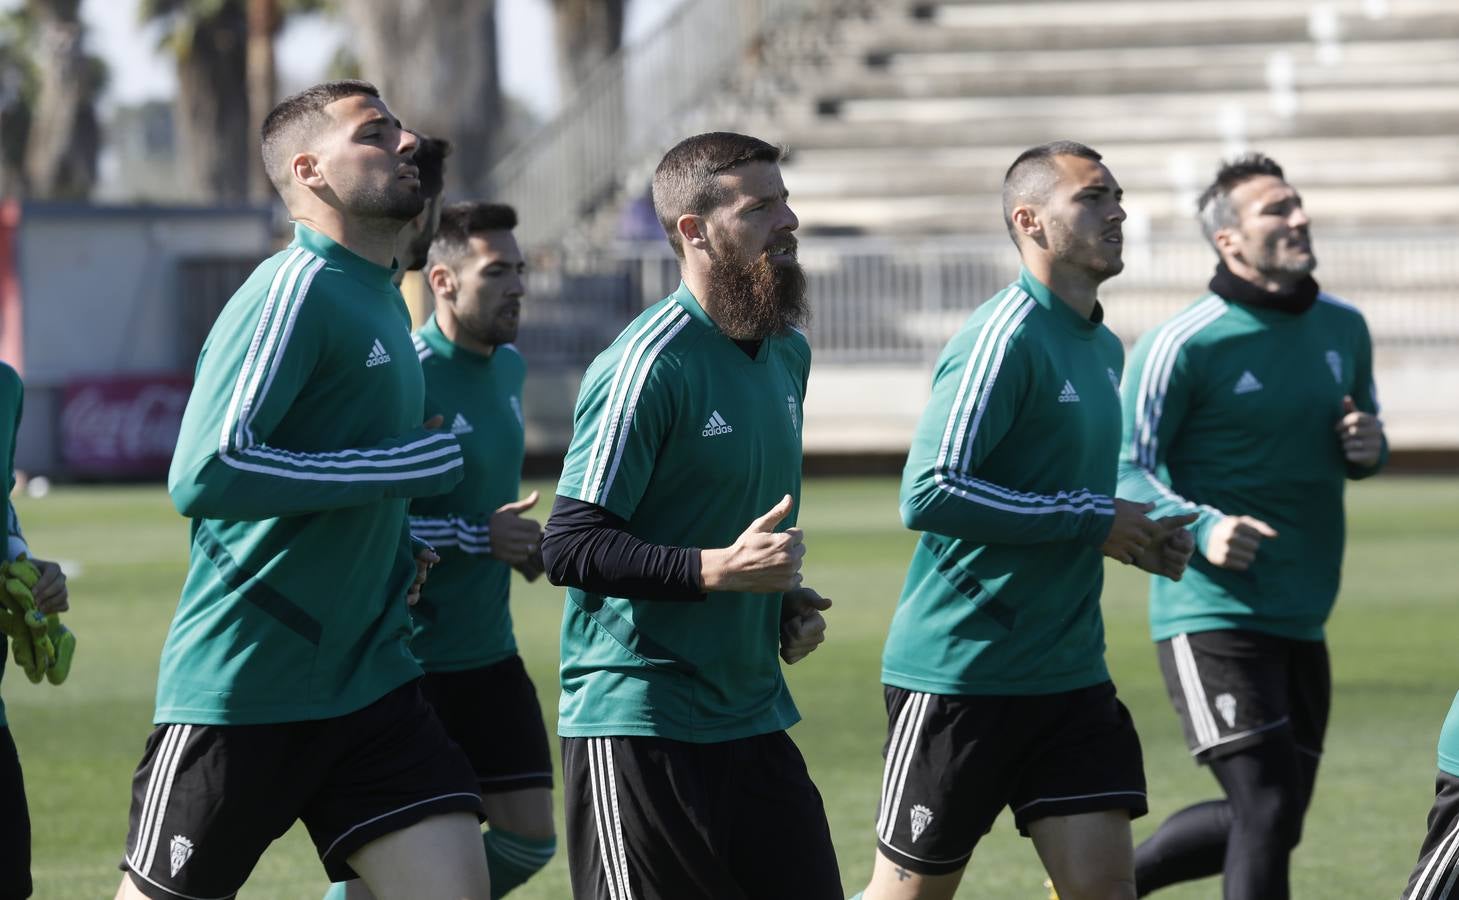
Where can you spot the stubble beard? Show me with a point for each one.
(396, 204)
(759, 300)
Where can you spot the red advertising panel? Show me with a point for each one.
(121, 425)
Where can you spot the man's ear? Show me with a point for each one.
(442, 281)
(1026, 222)
(692, 232)
(305, 169)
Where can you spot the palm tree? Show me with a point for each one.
(587, 32)
(64, 137)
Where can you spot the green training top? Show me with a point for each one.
(688, 439)
(462, 620)
(1010, 478)
(12, 396)
(1230, 409)
(1449, 740)
(300, 446)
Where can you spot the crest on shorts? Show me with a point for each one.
(921, 818)
(182, 850)
(1226, 706)
(1334, 362)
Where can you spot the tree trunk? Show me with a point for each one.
(263, 24)
(434, 62)
(212, 105)
(60, 158)
(587, 32)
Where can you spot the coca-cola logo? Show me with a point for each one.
(124, 426)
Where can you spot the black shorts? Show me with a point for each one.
(655, 819)
(1234, 688)
(954, 762)
(1437, 871)
(14, 821)
(493, 714)
(208, 799)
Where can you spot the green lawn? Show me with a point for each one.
(1392, 647)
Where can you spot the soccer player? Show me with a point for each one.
(287, 689)
(1249, 409)
(51, 596)
(462, 635)
(996, 687)
(414, 241)
(670, 529)
(1437, 870)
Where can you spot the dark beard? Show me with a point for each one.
(759, 300)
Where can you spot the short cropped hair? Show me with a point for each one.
(686, 180)
(288, 126)
(1032, 176)
(1214, 209)
(459, 223)
(430, 162)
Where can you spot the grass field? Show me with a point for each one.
(1392, 642)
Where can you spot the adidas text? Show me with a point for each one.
(378, 356)
(1068, 394)
(716, 425)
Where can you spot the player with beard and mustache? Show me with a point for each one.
(1250, 409)
(286, 688)
(996, 687)
(680, 779)
(414, 240)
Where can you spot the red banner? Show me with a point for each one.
(122, 425)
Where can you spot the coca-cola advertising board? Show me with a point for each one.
(121, 425)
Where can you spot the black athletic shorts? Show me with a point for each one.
(1234, 688)
(655, 819)
(1437, 871)
(14, 820)
(954, 762)
(493, 714)
(208, 799)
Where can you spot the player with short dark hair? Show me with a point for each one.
(1437, 870)
(286, 689)
(997, 691)
(680, 780)
(414, 240)
(1250, 410)
(462, 634)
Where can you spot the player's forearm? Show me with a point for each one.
(976, 510)
(466, 532)
(587, 547)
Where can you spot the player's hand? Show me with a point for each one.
(1132, 531)
(434, 422)
(1168, 554)
(802, 627)
(515, 539)
(760, 561)
(1234, 540)
(1361, 434)
(425, 557)
(532, 567)
(51, 595)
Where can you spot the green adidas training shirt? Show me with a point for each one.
(12, 395)
(1230, 409)
(688, 439)
(300, 446)
(1010, 478)
(1449, 740)
(462, 620)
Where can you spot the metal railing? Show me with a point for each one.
(879, 301)
(626, 110)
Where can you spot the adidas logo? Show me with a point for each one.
(378, 356)
(716, 425)
(1068, 394)
(1247, 383)
(459, 425)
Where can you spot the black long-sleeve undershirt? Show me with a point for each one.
(586, 546)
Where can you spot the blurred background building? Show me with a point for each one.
(900, 115)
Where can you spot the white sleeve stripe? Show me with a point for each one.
(633, 405)
(226, 439)
(605, 419)
(987, 387)
(391, 463)
(963, 402)
(331, 476)
(274, 358)
(1159, 366)
(263, 359)
(1100, 509)
(1080, 496)
(302, 457)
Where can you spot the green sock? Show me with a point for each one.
(512, 858)
(335, 892)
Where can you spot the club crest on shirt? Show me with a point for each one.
(1114, 379)
(1334, 362)
(921, 818)
(794, 411)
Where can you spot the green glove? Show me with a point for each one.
(63, 643)
(34, 652)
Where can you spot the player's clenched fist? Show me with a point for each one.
(760, 561)
(1132, 531)
(1234, 541)
(1169, 553)
(802, 627)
